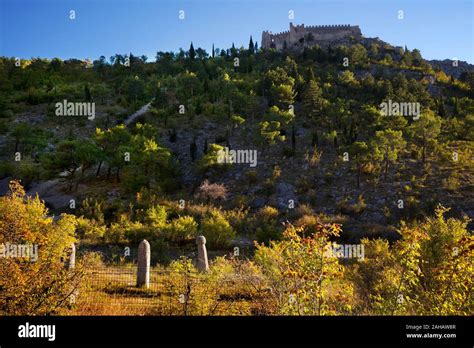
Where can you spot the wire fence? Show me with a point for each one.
(115, 254)
(113, 290)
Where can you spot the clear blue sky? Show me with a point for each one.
(42, 28)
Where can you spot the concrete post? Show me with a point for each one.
(202, 262)
(143, 266)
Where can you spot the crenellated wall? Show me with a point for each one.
(302, 34)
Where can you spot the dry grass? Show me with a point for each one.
(112, 290)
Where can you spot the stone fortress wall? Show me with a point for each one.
(305, 36)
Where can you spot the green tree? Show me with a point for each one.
(281, 116)
(358, 54)
(417, 59)
(276, 83)
(282, 95)
(182, 229)
(189, 85)
(407, 58)
(251, 46)
(425, 131)
(193, 150)
(152, 160)
(64, 159)
(114, 142)
(213, 159)
(217, 230)
(387, 59)
(270, 133)
(192, 52)
(313, 103)
(20, 133)
(360, 152)
(387, 145)
(87, 93)
(291, 67)
(293, 137)
(150, 163)
(134, 89)
(70, 155)
(87, 154)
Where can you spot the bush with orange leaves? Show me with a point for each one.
(304, 278)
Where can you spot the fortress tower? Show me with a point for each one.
(300, 35)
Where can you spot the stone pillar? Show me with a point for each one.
(143, 269)
(202, 262)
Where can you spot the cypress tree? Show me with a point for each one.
(192, 52)
(293, 137)
(193, 150)
(227, 142)
(87, 93)
(314, 139)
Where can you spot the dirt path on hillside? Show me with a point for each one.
(138, 113)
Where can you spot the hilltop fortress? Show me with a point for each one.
(301, 36)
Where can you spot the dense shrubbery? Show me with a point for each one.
(428, 271)
(182, 229)
(217, 229)
(266, 224)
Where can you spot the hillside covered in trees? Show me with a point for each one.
(258, 150)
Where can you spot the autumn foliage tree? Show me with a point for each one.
(29, 287)
(304, 278)
(427, 272)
